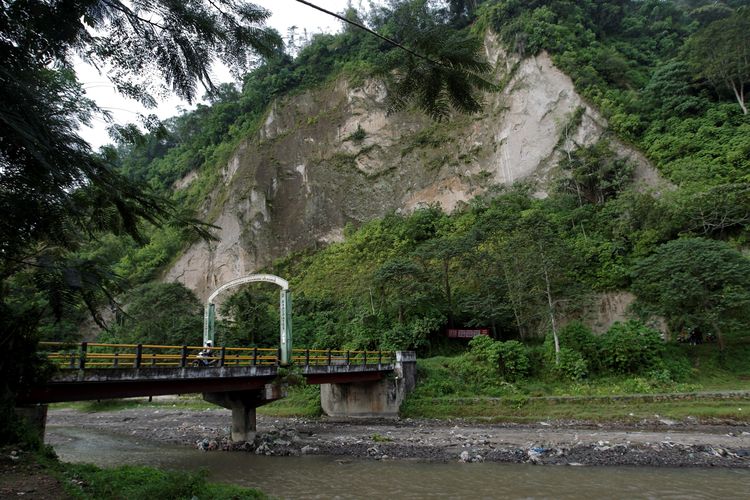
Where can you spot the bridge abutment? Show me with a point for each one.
(375, 398)
(35, 416)
(243, 405)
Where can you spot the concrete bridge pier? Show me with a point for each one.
(243, 405)
(35, 416)
(374, 398)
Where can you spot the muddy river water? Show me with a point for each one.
(334, 477)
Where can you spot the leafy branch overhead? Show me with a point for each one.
(46, 166)
(430, 64)
(455, 83)
(134, 41)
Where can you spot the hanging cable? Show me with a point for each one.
(365, 28)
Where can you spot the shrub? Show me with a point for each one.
(538, 359)
(660, 376)
(482, 349)
(358, 135)
(676, 363)
(572, 365)
(579, 338)
(507, 359)
(631, 347)
(474, 373)
(513, 361)
(412, 335)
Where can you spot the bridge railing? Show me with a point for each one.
(341, 357)
(97, 355)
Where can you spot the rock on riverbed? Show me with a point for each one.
(572, 443)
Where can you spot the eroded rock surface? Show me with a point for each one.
(333, 156)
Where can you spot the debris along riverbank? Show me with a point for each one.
(657, 442)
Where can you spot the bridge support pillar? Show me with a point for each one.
(380, 398)
(243, 405)
(35, 416)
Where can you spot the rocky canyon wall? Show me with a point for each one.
(333, 156)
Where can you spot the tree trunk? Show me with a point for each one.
(551, 313)
(719, 335)
(448, 297)
(739, 94)
(513, 302)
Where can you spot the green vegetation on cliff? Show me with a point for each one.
(643, 64)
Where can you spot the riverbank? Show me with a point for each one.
(652, 442)
(21, 474)
(37, 475)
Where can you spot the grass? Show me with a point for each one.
(35, 469)
(603, 410)
(84, 481)
(301, 401)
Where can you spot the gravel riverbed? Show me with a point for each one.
(657, 442)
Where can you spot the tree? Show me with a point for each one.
(537, 250)
(55, 193)
(403, 287)
(704, 284)
(595, 173)
(44, 163)
(445, 250)
(720, 53)
(706, 14)
(161, 314)
(448, 79)
(670, 93)
(254, 318)
(718, 211)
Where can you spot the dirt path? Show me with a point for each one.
(657, 443)
(22, 477)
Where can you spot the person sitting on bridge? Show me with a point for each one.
(205, 356)
(208, 349)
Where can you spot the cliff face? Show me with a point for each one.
(333, 156)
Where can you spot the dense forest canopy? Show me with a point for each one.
(82, 230)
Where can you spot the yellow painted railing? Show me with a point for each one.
(96, 355)
(341, 357)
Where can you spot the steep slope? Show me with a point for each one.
(333, 156)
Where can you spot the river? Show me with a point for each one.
(329, 477)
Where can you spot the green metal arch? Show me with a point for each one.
(285, 311)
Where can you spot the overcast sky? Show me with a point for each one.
(286, 13)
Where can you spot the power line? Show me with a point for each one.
(365, 28)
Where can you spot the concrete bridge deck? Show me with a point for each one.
(111, 383)
(353, 383)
